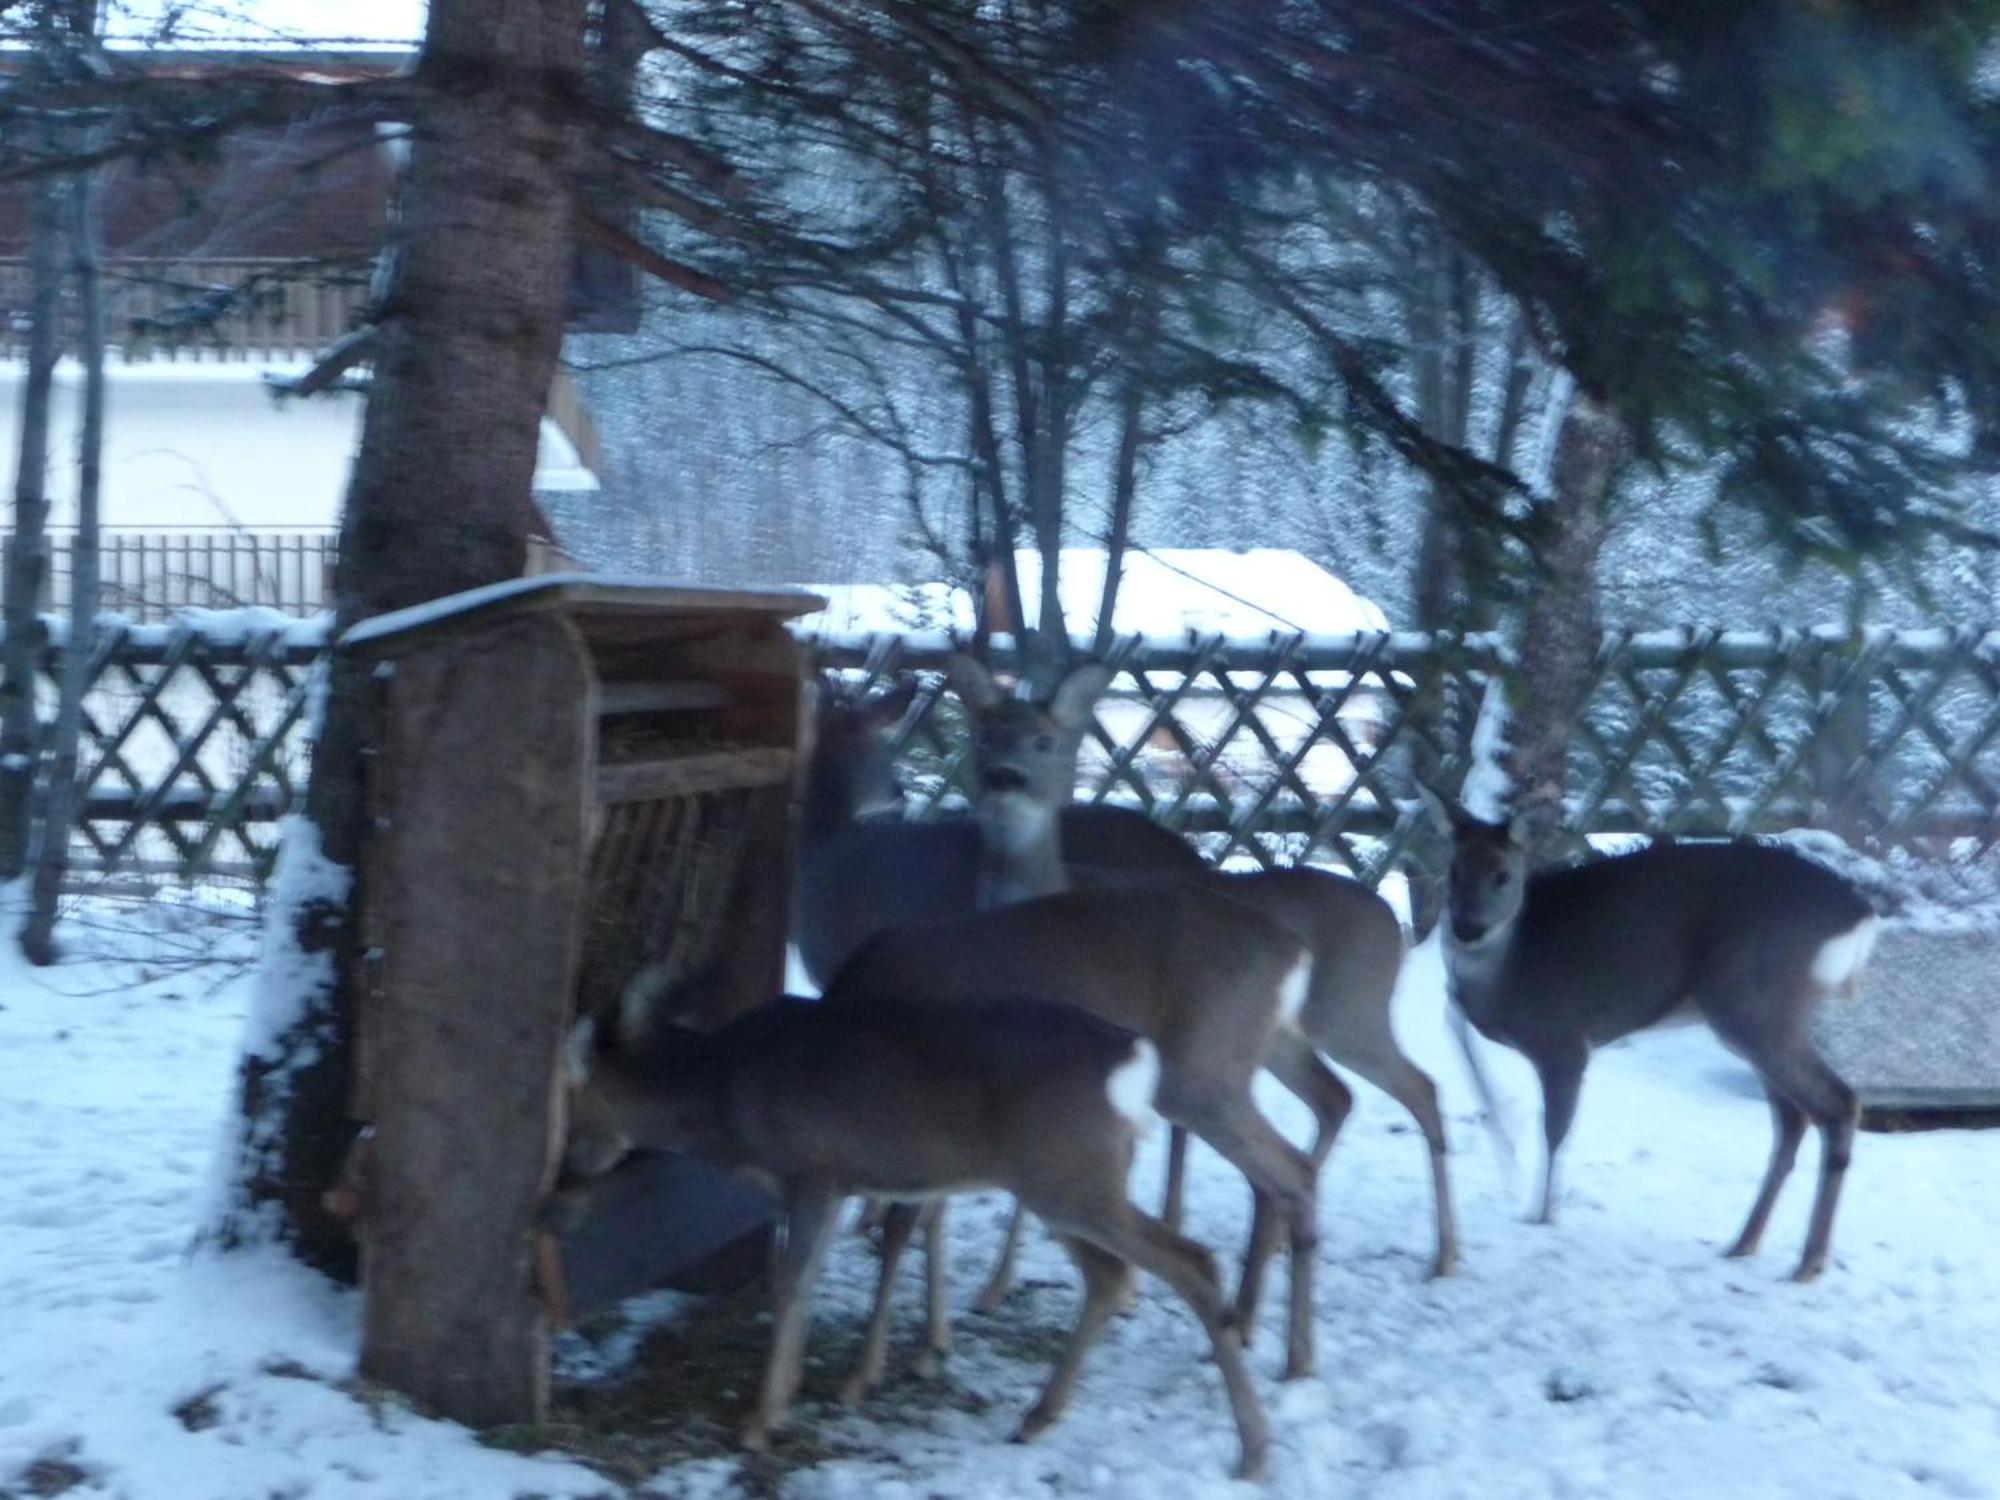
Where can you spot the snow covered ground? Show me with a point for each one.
(1615, 1355)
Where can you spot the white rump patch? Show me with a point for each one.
(1839, 960)
(1293, 992)
(1132, 1085)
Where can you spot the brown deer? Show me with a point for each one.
(1213, 984)
(1751, 937)
(1024, 757)
(909, 1102)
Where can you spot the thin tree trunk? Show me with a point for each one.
(439, 501)
(1125, 465)
(1560, 628)
(27, 551)
(59, 806)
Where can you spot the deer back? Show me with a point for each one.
(1612, 945)
(1190, 968)
(891, 1099)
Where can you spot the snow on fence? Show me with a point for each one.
(1264, 751)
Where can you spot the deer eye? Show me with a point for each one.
(1500, 878)
(1045, 743)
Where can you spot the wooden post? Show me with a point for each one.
(476, 947)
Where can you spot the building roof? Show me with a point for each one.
(1165, 591)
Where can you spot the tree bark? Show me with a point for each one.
(1561, 626)
(440, 499)
(59, 806)
(27, 550)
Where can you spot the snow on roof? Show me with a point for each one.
(265, 25)
(1165, 591)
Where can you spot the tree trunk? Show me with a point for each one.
(440, 500)
(1561, 625)
(27, 551)
(59, 806)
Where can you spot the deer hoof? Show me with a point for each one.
(1443, 1266)
(1808, 1272)
(854, 1390)
(928, 1362)
(1034, 1424)
(1253, 1466)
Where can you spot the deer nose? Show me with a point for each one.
(1005, 779)
(1468, 932)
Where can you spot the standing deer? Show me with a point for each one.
(1024, 759)
(1751, 936)
(909, 1101)
(858, 874)
(1216, 987)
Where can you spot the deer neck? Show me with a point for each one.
(1473, 971)
(1020, 853)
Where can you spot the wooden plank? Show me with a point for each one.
(473, 903)
(689, 775)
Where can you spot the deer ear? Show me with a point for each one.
(1077, 694)
(1531, 824)
(579, 1049)
(972, 682)
(1445, 812)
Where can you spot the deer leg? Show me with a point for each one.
(1804, 1077)
(1792, 1067)
(1001, 1281)
(1177, 1146)
(811, 1212)
(1295, 1064)
(1277, 1169)
(937, 1320)
(1105, 1281)
(1190, 1271)
(1562, 1081)
(898, 1221)
(1788, 1126)
(1256, 1259)
(1489, 1101)
(1384, 1065)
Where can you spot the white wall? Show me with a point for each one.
(203, 445)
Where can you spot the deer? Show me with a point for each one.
(910, 1101)
(859, 872)
(1750, 937)
(1024, 766)
(1215, 986)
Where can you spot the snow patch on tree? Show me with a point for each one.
(288, 1009)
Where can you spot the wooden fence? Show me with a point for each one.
(1302, 750)
(1265, 752)
(194, 744)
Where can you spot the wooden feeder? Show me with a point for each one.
(572, 779)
